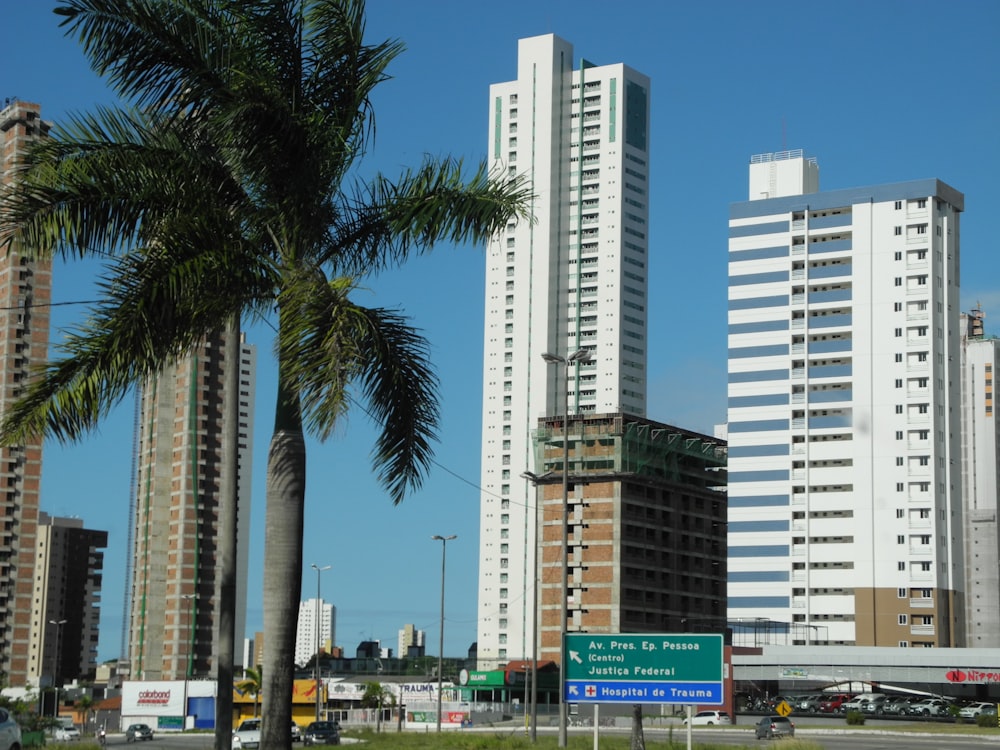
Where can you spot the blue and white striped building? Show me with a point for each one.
(845, 513)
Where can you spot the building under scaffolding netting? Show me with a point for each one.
(646, 518)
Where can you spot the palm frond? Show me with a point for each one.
(327, 343)
(386, 222)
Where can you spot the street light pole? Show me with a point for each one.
(535, 479)
(55, 664)
(319, 572)
(580, 355)
(444, 546)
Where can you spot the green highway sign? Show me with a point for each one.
(644, 668)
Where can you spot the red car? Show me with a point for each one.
(831, 703)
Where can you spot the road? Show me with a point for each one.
(828, 739)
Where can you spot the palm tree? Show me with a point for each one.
(226, 191)
(251, 683)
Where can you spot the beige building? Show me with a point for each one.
(25, 295)
(175, 586)
(67, 590)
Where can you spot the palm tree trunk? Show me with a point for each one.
(286, 482)
(230, 492)
(638, 740)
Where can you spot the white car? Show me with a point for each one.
(66, 734)
(974, 709)
(708, 718)
(10, 732)
(247, 735)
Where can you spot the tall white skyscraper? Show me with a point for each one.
(575, 278)
(305, 634)
(845, 513)
(980, 481)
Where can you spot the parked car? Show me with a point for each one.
(296, 733)
(774, 726)
(857, 703)
(247, 735)
(854, 704)
(65, 734)
(832, 703)
(10, 732)
(138, 732)
(708, 718)
(897, 705)
(875, 703)
(809, 703)
(929, 707)
(322, 733)
(974, 709)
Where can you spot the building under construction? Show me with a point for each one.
(646, 516)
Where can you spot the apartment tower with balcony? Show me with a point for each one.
(175, 586)
(574, 278)
(69, 566)
(980, 482)
(25, 296)
(845, 489)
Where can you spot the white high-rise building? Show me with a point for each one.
(575, 278)
(845, 513)
(305, 633)
(980, 480)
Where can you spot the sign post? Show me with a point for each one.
(644, 668)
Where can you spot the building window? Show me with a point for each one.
(898, 307)
(899, 332)
(899, 281)
(903, 619)
(899, 460)
(899, 408)
(899, 434)
(900, 513)
(900, 539)
(899, 487)
(899, 205)
(901, 566)
(897, 231)
(899, 356)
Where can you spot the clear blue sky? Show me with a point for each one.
(878, 91)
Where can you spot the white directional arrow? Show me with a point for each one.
(573, 690)
(575, 656)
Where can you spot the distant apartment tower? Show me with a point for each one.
(980, 482)
(175, 584)
(25, 295)
(573, 278)
(411, 641)
(67, 591)
(845, 513)
(646, 529)
(306, 634)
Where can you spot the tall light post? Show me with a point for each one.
(535, 479)
(580, 355)
(55, 663)
(444, 546)
(319, 572)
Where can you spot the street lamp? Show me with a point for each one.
(535, 479)
(444, 546)
(55, 664)
(319, 572)
(580, 355)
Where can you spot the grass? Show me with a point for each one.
(618, 740)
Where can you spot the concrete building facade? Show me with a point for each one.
(574, 278)
(646, 528)
(174, 577)
(411, 641)
(845, 512)
(306, 634)
(69, 563)
(25, 297)
(980, 482)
